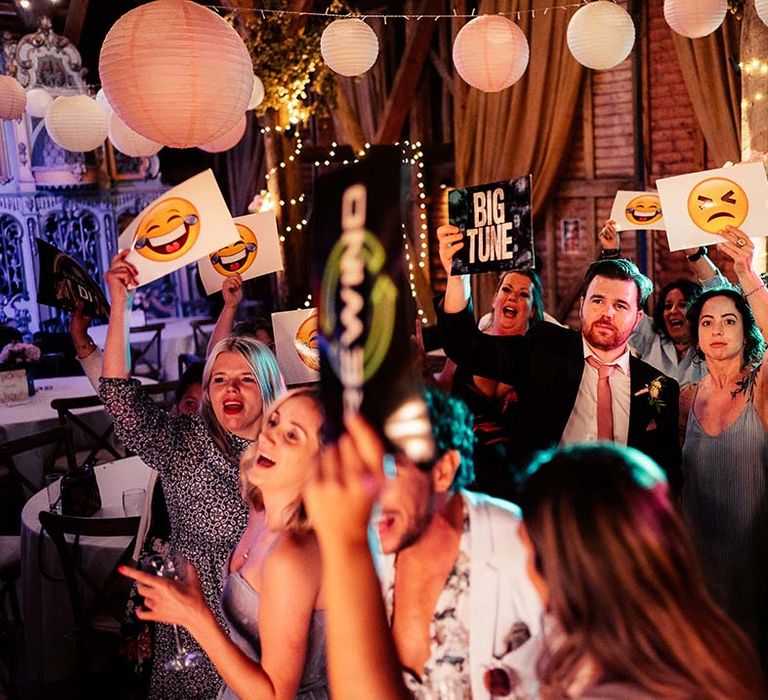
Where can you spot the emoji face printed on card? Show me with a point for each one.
(306, 342)
(168, 230)
(239, 256)
(717, 202)
(644, 210)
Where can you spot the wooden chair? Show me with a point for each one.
(15, 488)
(202, 330)
(98, 613)
(146, 355)
(103, 442)
(96, 442)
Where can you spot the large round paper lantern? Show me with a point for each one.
(762, 10)
(176, 73)
(490, 53)
(349, 46)
(257, 94)
(13, 99)
(228, 140)
(127, 141)
(38, 101)
(76, 123)
(601, 35)
(695, 18)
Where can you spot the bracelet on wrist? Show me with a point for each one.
(609, 253)
(700, 253)
(750, 293)
(85, 349)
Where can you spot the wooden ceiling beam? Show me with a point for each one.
(73, 26)
(406, 79)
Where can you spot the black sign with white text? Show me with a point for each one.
(497, 222)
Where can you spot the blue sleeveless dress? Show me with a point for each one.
(240, 605)
(726, 506)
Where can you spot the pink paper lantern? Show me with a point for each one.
(762, 10)
(227, 141)
(176, 73)
(349, 46)
(127, 141)
(491, 53)
(38, 101)
(13, 99)
(695, 18)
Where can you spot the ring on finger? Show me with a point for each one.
(741, 242)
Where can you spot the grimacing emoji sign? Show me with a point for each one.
(717, 202)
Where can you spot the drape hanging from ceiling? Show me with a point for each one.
(523, 129)
(714, 86)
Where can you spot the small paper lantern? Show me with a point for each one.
(601, 35)
(491, 53)
(38, 101)
(695, 18)
(349, 46)
(13, 99)
(176, 72)
(103, 102)
(76, 123)
(229, 140)
(257, 94)
(762, 10)
(127, 141)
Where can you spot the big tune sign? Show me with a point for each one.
(496, 220)
(359, 282)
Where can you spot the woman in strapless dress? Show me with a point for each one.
(272, 597)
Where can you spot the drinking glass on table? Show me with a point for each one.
(53, 487)
(172, 566)
(133, 501)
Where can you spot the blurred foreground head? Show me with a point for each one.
(616, 567)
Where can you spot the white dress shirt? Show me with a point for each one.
(582, 425)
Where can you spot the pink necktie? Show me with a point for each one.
(604, 401)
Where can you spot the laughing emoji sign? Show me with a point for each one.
(168, 230)
(239, 256)
(644, 210)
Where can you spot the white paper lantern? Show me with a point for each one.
(257, 94)
(127, 141)
(762, 10)
(176, 73)
(76, 123)
(349, 46)
(695, 18)
(228, 140)
(38, 101)
(601, 35)
(13, 99)
(491, 53)
(103, 102)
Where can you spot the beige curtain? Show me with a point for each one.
(714, 87)
(524, 129)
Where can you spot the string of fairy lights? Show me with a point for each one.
(757, 70)
(413, 155)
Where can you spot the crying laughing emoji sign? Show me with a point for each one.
(700, 205)
(189, 221)
(255, 252)
(637, 210)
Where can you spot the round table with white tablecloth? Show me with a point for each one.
(36, 415)
(50, 654)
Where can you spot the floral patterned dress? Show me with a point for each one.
(207, 515)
